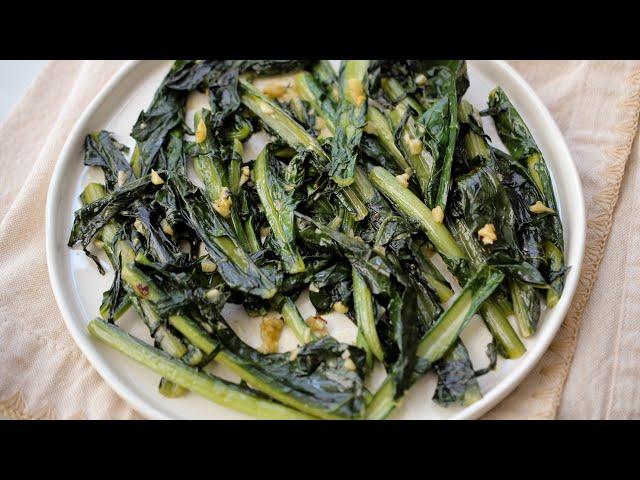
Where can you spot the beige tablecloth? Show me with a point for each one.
(596, 104)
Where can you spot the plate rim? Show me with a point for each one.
(489, 400)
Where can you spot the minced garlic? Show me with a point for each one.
(357, 91)
(274, 90)
(421, 80)
(488, 234)
(208, 266)
(213, 295)
(201, 131)
(224, 203)
(540, 207)
(245, 175)
(438, 214)
(156, 179)
(340, 307)
(349, 365)
(318, 325)
(166, 228)
(270, 331)
(415, 146)
(403, 179)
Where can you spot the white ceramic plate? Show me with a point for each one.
(78, 287)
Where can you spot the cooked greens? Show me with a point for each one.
(366, 175)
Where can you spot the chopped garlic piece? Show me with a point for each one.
(224, 203)
(245, 175)
(201, 131)
(270, 331)
(403, 179)
(166, 228)
(274, 90)
(415, 146)
(357, 91)
(213, 295)
(320, 123)
(122, 177)
(202, 250)
(208, 266)
(349, 365)
(313, 288)
(540, 207)
(318, 325)
(421, 80)
(488, 234)
(156, 179)
(340, 307)
(438, 214)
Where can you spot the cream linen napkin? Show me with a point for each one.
(44, 375)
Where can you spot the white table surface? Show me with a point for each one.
(15, 78)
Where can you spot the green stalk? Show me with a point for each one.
(508, 341)
(421, 161)
(252, 239)
(516, 136)
(397, 94)
(168, 342)
(433, 277)
(417, 212)
(279, 121)
(281, 228)
(445, 174)
(170, 389)
(312, 93)
(377, 124)
(474, 144)
(353, 203)
(364, 310)
(348, 224)
(293, 320)
(217, 390)
(324, 72)
(526, 305)
(556, 264)
(351, 116)
(294, 135)
(210, 172)
(442, 335)
(236, 364)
